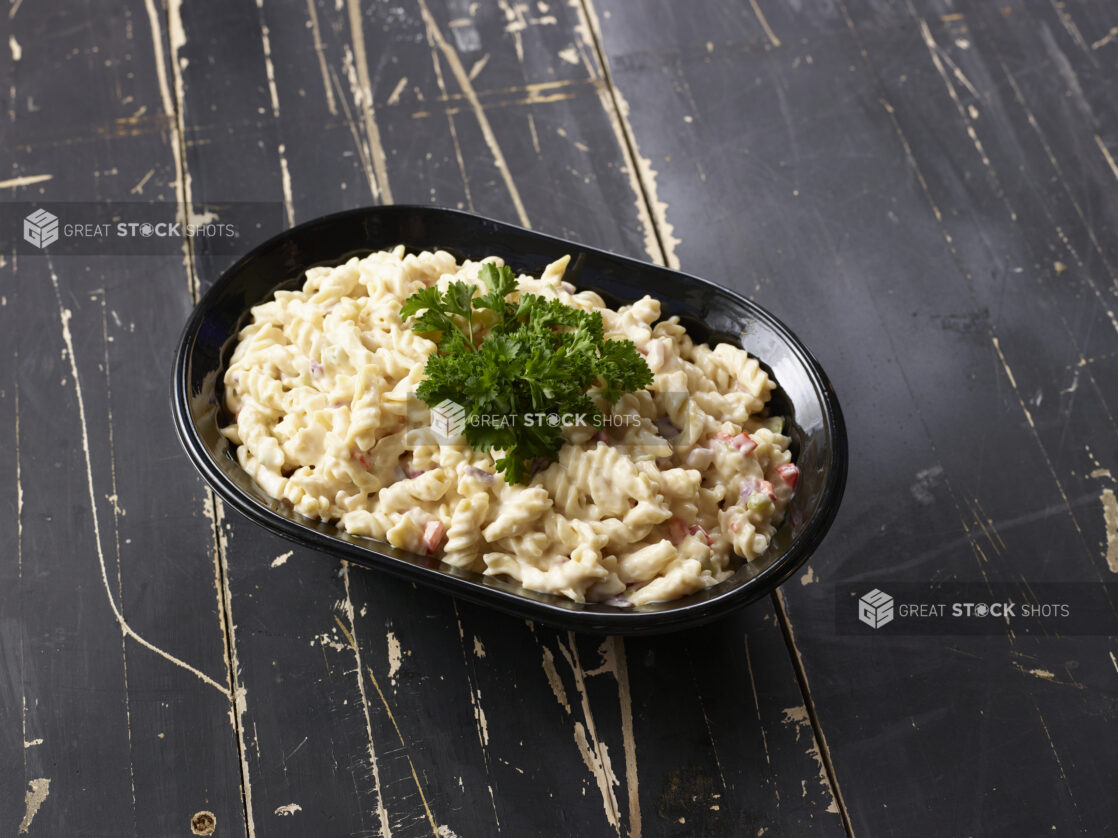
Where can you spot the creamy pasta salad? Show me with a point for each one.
(649, 506)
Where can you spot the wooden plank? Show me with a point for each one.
(828, 149)
(425, 715)
(115, 697)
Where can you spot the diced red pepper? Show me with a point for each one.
(744, 443)
(361, 458)
(697, 530)
(601, 436)
(790, 474)
(766, 487)
(433, 536)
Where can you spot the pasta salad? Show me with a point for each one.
(648, 502)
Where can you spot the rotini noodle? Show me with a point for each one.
(687, 473)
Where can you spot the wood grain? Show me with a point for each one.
(923, 190)
(427, 714)
(920, 175)
(115, 694)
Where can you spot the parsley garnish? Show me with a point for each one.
(538, 359)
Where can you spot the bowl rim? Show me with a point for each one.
(693, 609)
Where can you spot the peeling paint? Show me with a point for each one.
(554, 680)
(32, 800)
(1043, 674)
(1110, 517)
(395, 656)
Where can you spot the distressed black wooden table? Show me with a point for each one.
(925, 190)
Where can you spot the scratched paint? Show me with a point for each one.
(288, 809)
(281, 559)
(659, 241)
(64, 318)
(374, 765)
(26, 180)
(19, 505)
(363, 154)
(394, 96)
(436, 65)
(214, 510)
(1036, 437)
(775, 41)
(467, 87)
(13, 45)
(760, 722)
(316, 35)
(362, 88)
(404, 746)
(818, 749)
(619, 664)
(937, 56)
(269, 67)
(597, 760)
(176, 38)
(479, 65)
(1084, 219)
(1105, 39)
(285, 184)
(594, 752)
(273, 96)
(118, 513)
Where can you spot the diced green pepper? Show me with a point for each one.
(760, 502)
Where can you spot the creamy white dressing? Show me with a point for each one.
(319, 384)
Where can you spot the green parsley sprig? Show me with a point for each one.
(539, 359)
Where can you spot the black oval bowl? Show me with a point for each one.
(710, 314)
